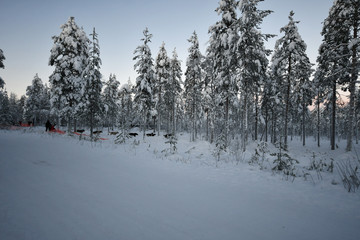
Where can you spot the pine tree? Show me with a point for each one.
(111, 101)
(193, 85)
(288, 56)
(145, 80)
(162, 78)
(252, 58)
(33, 105)
(69, 56)
(91, 99)
(2, 58)
(223, 37)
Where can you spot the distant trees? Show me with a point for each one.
(110, 101)
(37, 107)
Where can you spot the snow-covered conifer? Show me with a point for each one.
(173, 90)
(223, 37)
(126, 114)
(144, 82)
(91, 100)
(69, 56)
(193, 85)
(162, 77)
(252, 59)
(334, 58)
(33, 105)
(111, 101)
(288, 56)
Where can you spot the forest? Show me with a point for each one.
(237, 91)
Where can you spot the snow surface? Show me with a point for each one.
(57, 187)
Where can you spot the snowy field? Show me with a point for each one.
(57, 187)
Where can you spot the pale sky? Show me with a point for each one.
(26, 28)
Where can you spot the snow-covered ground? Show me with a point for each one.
(57, 187)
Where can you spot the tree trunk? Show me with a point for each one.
(245, 124)
(226, 121)
(303, 122)
(354, 76)
(91, 125)
(287, 105)
(318, 120)
(333, 101)
(256, 116)
(266, 123)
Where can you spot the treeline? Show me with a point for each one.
(237, 89)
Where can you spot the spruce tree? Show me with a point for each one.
(223, 38)
(145, 81)
(162, 78)
(111, 101)
(173, 90)
(91, 99)
(33, 105)
(288, 56)
(126, 114)
(333, 59)
(251, 59)
(193, 85)
(69, 56)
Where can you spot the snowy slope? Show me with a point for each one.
(56, 187)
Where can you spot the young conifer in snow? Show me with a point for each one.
(252, 59)
(144, 82)
(223, 37)
(193, 86)
(162, 77)
(288, 56)
(91, 99)
(69, 56)
(33, 105)
(2, 58)
(111, 101)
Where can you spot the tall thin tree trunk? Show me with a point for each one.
(287, 105)
(303, 122)
(245, 124)
(256, 115)
(318, 120)
(333, 101)
(266, 123)
(226, 121)
(354, 76)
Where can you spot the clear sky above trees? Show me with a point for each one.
(27, 27)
